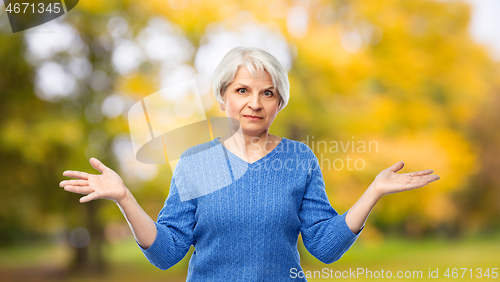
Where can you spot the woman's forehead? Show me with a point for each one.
(244, 75)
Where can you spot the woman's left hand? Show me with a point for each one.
(388, 181)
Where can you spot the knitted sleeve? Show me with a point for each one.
(324, 232)
(174, 227)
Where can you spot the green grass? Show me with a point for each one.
(49, 262)
(396, 254)
(33, 255)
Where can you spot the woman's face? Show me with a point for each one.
(252, 101)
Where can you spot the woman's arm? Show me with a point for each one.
(386, 182)
(142, 226)
(109, 185)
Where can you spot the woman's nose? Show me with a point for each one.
(254, 102)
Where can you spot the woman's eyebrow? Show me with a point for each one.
(241, 84)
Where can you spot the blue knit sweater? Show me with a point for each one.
(244, 218)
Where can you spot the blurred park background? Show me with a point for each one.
(407, 75)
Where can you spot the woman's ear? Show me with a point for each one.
(223, 98)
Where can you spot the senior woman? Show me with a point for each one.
(246, 229)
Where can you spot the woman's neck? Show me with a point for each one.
(250, 147)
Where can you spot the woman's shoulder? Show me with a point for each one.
(296, 147)
(194, 155)
(200, 148)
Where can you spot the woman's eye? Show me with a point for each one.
(239, 90)
(269, 92)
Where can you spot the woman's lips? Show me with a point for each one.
(253, 117)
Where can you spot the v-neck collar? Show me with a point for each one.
(237, 159)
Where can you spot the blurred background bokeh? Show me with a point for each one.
(418, 81)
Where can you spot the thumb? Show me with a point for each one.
(397, 166)
(97, 164)
(88, 198)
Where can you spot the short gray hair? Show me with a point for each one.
(252, 58)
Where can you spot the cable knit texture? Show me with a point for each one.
(248, 230)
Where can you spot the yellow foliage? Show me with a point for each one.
(412, 87)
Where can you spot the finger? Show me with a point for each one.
(74, 183)
(89, 197)
(78, 189)
(76, 174)
(434, 177)
(419, 181)
(397, 166)
(426, 179)
(97, 164)
(422, 172)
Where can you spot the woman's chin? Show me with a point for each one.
(253, 130)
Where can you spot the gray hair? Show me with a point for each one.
(252, 59)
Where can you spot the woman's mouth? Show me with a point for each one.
(253, 117)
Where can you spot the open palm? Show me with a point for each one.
(388, 181)
(108, 185)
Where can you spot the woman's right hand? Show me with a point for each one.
(108, 185)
